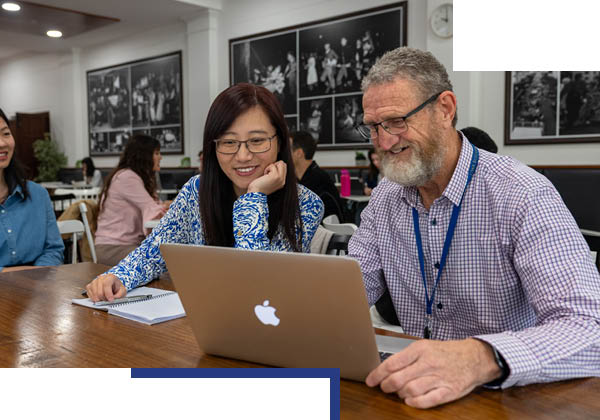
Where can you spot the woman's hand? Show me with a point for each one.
(106, 287)
(272, 180)
(368, 191)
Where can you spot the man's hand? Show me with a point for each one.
(429, 373)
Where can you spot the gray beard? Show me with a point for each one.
(415, 173)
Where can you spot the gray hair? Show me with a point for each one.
(412, 64)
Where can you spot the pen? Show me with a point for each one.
(122, 300)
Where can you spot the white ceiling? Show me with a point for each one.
(135, 15)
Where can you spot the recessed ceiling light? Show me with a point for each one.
(11, 7)
(52, 33)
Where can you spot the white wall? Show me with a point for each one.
(58, 82)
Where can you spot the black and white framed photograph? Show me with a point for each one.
(316, 118)
(143, 96)
(315, 69)
(348, 114)
(552, 107)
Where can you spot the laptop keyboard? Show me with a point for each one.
(384, 355)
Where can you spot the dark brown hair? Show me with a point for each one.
(373, 171)
(137, 156)
(14, 174)
(216, 189)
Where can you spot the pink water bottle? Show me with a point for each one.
(345, 183)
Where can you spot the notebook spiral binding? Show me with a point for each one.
(118, 305)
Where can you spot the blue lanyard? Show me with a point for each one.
(449, 235)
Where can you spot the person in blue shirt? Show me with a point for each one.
(246, 197)
(29, 235)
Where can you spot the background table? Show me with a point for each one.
(39, 327)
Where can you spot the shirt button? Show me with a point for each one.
(14, 252)
(3, 211)
(437, 265)
(439, 305)
(9, 230)
(433, 222)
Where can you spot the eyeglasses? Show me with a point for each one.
(254, 145)
(394, 126)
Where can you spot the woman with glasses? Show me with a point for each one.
(246, 197)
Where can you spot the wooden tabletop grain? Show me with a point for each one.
(39, 327)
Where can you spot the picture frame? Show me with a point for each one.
(138, 97)
(544, 107)
(315, 69)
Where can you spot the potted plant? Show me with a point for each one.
(361, 159)
(49, 157)
(185, 162)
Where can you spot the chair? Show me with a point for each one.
(59, 197)
(88, 231)
(332, 218)
(338, 244)
(73, 227)
(87, 193)
(341, 228)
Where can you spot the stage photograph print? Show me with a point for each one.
(334, 57)
(552, 107)
(269, 62)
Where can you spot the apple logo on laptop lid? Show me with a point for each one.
(266, 314)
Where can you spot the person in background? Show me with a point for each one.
(374, 175)
(312, 176)
(518, 296)
(128, 200)
(91, 175)
(246, 197)
(479, 138)
(200, 157)
(29, 236)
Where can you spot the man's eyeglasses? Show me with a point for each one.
(254, 145)
(393, 126)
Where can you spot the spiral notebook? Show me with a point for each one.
(163, 306)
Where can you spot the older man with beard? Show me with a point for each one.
(478, 251)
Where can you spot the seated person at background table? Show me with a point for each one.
(374, 175)
(200, 154)
(479, 138)
(312, 176)
(128, 200)
(91, 175)
(28, 232)
(247, 196)
(518, 300)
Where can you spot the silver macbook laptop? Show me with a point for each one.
(277, 308)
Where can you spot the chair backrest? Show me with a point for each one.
(71, 227)
(338, 244)
(332, 218)
(341, 228)
(88, 231)
(87, 193)
(61, 199)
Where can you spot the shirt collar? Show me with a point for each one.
(17, 190)
(454, 189)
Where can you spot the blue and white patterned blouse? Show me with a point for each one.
(182, 224)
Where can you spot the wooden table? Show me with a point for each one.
(39, 327)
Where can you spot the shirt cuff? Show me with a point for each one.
(522, 362)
